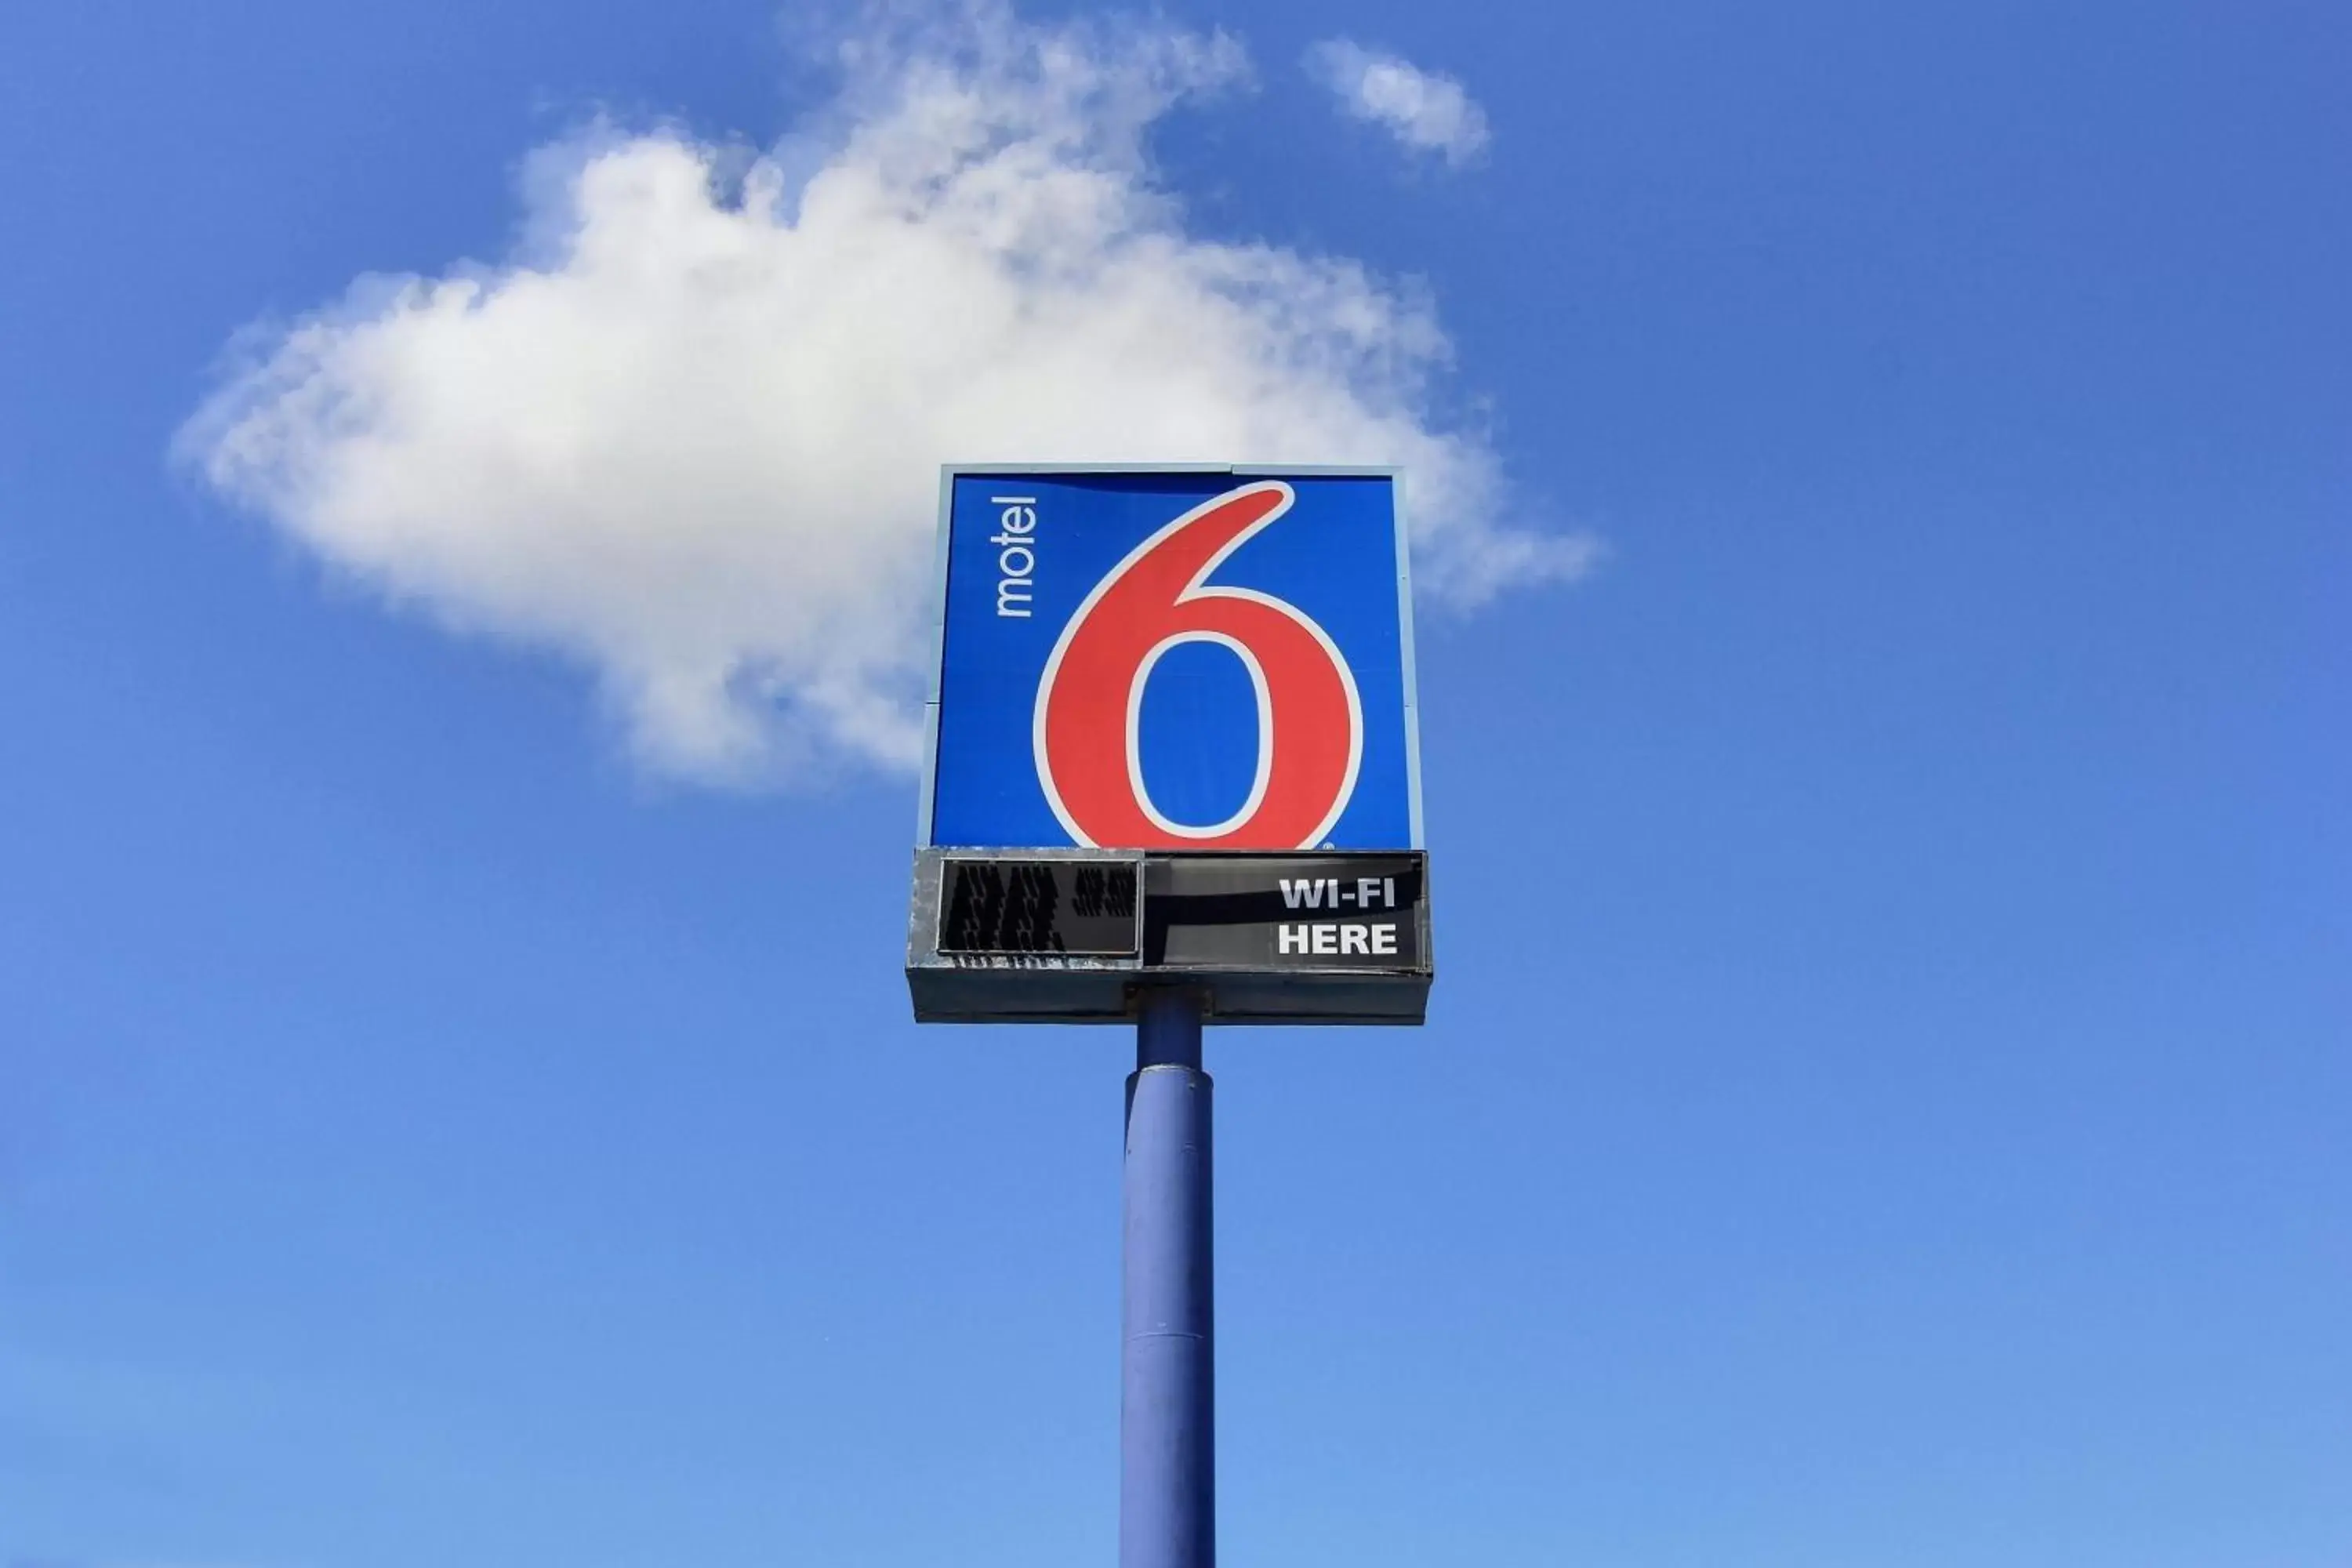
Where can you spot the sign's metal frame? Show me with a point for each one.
(948, 473)
(1083, 988)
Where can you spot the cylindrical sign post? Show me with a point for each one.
(1168, 1450)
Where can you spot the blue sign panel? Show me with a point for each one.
(1183, 659)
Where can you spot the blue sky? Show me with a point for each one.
(1886, 1095)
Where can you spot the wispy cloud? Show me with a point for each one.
(1425, 111)
(689, 433)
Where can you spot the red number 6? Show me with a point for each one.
(1310, 722)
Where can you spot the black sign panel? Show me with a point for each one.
(1353, 912)
(1062, 936)
(1003, 906)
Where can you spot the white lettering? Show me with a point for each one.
(1352, 939)
(1301, 894)
(1384, 938)
(1016, 565)
(1365, 888)
(1290, 939)
(1327, 938)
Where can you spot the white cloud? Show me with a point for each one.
(689, 433)
(1425, 110)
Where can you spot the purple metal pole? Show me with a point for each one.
(1167, 1417)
